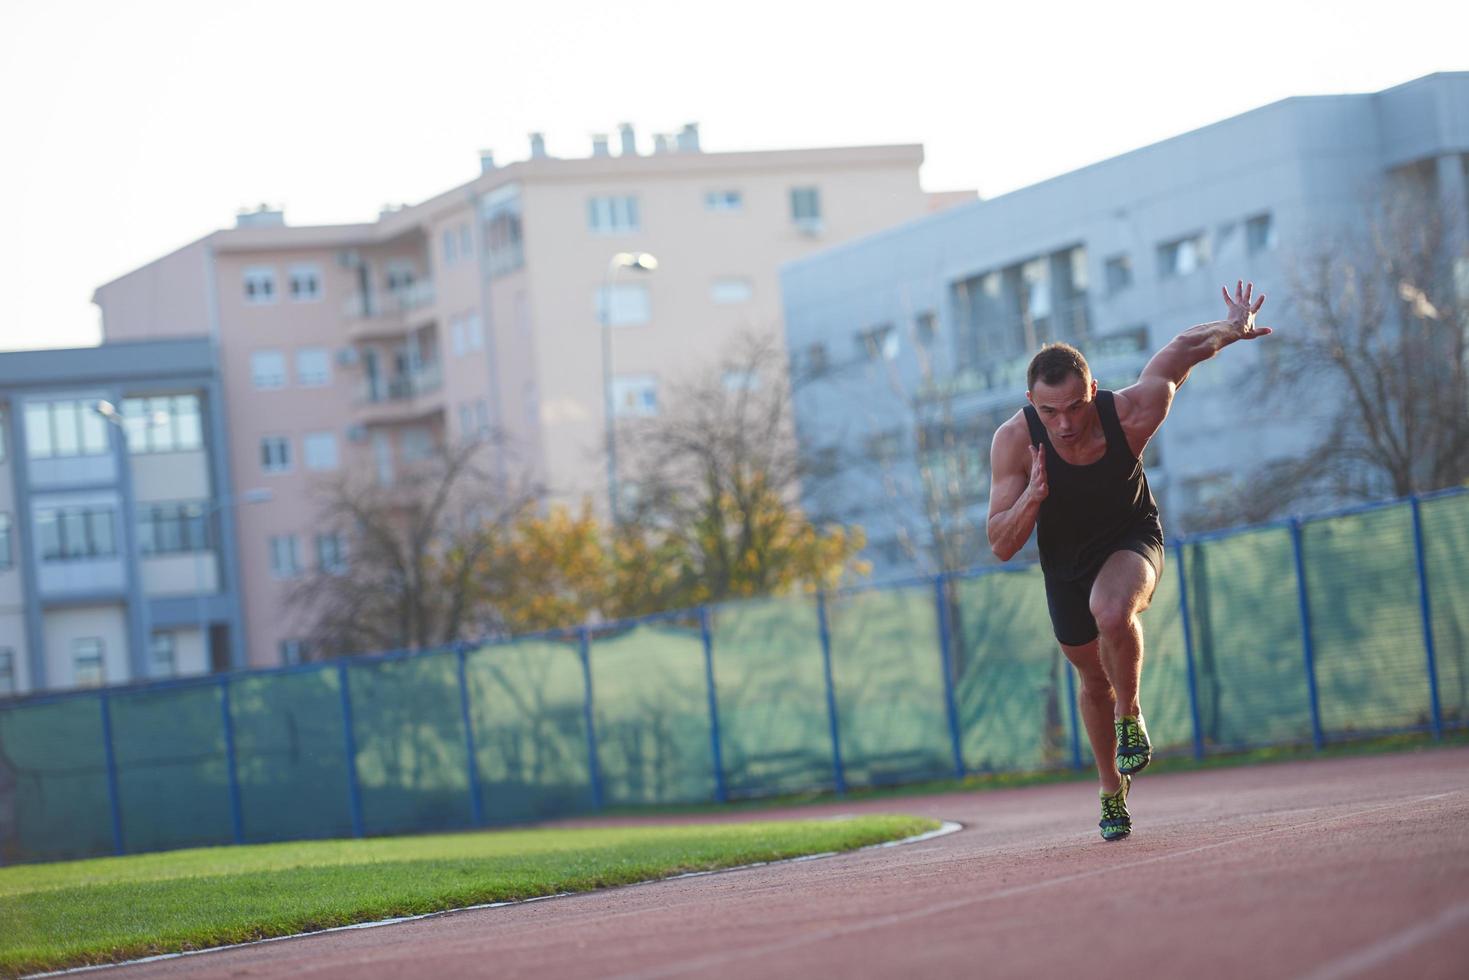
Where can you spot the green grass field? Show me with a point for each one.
(109, 909)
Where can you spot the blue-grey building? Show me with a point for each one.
(117, 556)
(910, 346)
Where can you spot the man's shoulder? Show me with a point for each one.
(1014, 430)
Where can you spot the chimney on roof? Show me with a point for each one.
(263, 216)
(486, 161)
(688, 139)
(537, 146)
(599, 145)
(629, 140)
(662, 143)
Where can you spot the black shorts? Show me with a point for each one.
(1071, 601)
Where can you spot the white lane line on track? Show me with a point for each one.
(1383, 950)
(897, 918)
(945, 828)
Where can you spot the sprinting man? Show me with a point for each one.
(1070, 462)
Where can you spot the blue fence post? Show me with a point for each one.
(1188, 650)
(721, 792)
(354, 792)
(941, 606)
(476, 807)
(1307, 647)
(838, 769)
(111, 759)
(227, 720)
(1076, 762)
(594, 766)
(1427, 610)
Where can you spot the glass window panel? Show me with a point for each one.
(188, 426)
(48, 534)
(73, 533)
(7, 553)
(38, 431)
(66, 428)
(94, 430)
(101, 539)
(87, 661)
(161, 653)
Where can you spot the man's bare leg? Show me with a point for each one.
(1123, 588)
(1097, 709)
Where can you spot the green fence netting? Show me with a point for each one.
(172, 772)
(1446, 553)
(1010, 683)
(54, 802)
(527, 707)
(414, 763)
(291, 755)
(1248, 655)
(887, 674)
(1366, 622)
(775, 733)
(412, 756)
(651, 709)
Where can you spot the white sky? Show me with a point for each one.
(133, 128)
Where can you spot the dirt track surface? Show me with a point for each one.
(1323, 869)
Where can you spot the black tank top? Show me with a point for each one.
(1090, 508)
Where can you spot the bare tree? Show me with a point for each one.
(412, 546)
(1378, 335)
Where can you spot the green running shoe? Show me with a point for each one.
(1116, 822)
(1134, 751)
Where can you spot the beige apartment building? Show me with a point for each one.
(482, 310)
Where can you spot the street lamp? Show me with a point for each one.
(637, 262)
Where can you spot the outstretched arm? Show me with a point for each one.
(1017, 487)
(1142, 407)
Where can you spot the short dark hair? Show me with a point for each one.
(1054, 363)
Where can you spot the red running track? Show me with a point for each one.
(1321, 869)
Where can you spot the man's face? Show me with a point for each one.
(1068, 409)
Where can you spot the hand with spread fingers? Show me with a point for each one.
(1242, 311)
(1038, 487)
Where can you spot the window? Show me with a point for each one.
(613, 215)
(161, 661)
(418, 444)
(313, 367)
(1119, 274)
(7, 550)
(86, 659)
(1260, 234)
(466, 242)
(2, 437)
(331, 553)
(260, 285)
(275, 454)
(474, 332)
(806, 207)
(1181, 257)
(285, 556)
(502, 232)
(382, 457)
(879, 342)
(1118, 343)
(305, 283)
(173, 528)
(456, 335)
(400, 275)
(268, 369)
(293, 652)
(320, 450)
(926, 328)
(65, 428)
(634, 395)
(731, 290)
(72, 533)
(451, 247)
(724, 201)
(624, 304)
(163, 424)
(735, 381)
(482, 415)
(7, 670)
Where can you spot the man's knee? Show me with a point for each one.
(1113, 618)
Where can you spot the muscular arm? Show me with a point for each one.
(1017, 487)
(1142, 407)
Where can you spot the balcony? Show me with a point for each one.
(380, 316)
(403, 397)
